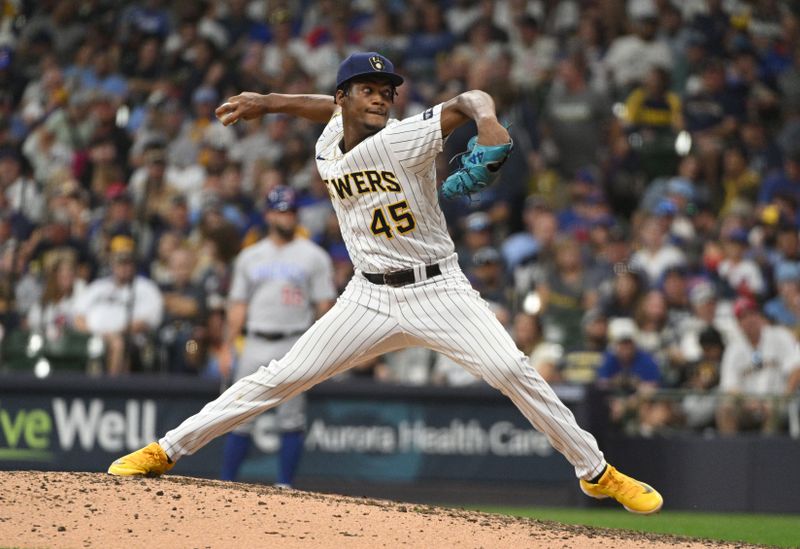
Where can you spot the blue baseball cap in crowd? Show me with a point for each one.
(740, 235)
(282, 199)
(681, 186)
(665, 207)
(366, 64)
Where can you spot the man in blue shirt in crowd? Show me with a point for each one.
(625, 367)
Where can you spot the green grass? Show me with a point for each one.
(774, 530)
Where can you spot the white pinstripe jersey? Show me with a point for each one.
(384, 192)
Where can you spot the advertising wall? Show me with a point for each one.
(404, 434)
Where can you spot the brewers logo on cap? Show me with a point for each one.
(366, 64)
(376, 63)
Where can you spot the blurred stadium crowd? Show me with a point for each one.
(644, 234)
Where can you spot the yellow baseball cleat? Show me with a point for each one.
(637, 497)
(150, 461)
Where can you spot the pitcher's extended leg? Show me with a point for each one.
(349, 332)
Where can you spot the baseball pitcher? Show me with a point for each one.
(407, 289)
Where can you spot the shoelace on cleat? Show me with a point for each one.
(623, 487)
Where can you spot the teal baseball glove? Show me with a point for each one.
(480, 166)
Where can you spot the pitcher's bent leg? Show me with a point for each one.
(349, 332)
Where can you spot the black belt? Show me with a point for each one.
(274, 336)
(401, 278)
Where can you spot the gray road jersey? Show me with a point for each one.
(282, 284)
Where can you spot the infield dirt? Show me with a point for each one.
(75, 510)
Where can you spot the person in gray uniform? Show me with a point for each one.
(281, 285)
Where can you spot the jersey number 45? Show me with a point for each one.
(400, 216)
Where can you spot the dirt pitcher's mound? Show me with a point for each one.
(96, 510)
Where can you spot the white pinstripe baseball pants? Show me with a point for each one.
(444, 314)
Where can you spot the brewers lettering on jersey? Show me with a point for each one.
(407, 289)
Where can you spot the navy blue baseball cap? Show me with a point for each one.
(282, 199)
(366, 64)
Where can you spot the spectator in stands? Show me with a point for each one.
(280, 55)
(674, 286)
(544, 356)
(184, 315)
(581, 364)
(765, 157)
(124, 309)
(536, 241)
(630, 373)
(652, 109)
(631, 56)
(621, 294)
(740, 184)
(476, 51)
(159, 268)
(487, 275)
(758, 368)
(237, 206)
(477, 235)
(566, 293)
(526, 329)
(21, 191)
(655, 334)
(759, 93)
(67, 199)
(53, 240)
(784, 308)
(70, 122)
(739, 274)
(608, 256)
(150, 187)
(712, 115)
(546, 360)
(217, 242)
(706, 311)
(177, 218)
(574, 119)
(786, 182)
(787, 243)
(714, 23)
(583, 206)
(48, 158)
(98, 167)
(428, 38)
(263, 145)
(116, 216)
(143, 68)
(322, 61)
(106, 130)
(655, 254)
(533, 53)
(702, 376)
(52, 316)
